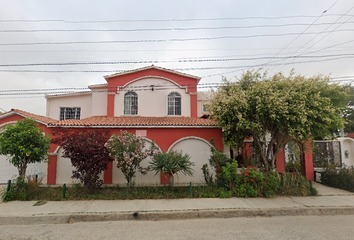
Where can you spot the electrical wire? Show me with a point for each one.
(170, 39)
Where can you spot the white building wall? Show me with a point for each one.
(10, 172)
(203, 98)
(99, 102)
(152, 103)
(81, 100)
(199, 150)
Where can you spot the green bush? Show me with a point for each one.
(208, 177)
(294, 185)
(218, 160)
(21, 190)
(342, 178)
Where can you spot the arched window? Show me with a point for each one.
(174, 104)
(131, 103)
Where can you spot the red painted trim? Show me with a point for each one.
(108, 174)
(247, 151)
(309, 171)
(280, 161)
(52, 170)
(194, 106)
(110, 105)
(163, 178)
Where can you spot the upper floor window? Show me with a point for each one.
(70, 113)
(131, 103)
(174, 104)
(205, 107)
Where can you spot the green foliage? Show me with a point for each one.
(22, 190)
(218, 160)
(273, 109)
(348, 113)
(293, 166)
(294, 185)
(225, 193)
(342, 178)
(208, 177)
(229, 177)
(172, 162)
(24, 143)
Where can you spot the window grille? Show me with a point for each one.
(131, 103)
(70, 113)
(174, 104)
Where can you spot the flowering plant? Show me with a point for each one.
(127, 151)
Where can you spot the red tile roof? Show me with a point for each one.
(151, 67)
(351, 135)
(117, 121)
(39, 118)
(136, 121)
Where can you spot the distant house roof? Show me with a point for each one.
(137, 121)
(151, 67)
(38, 118)
(351, 135)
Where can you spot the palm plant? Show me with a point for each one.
(172, 162)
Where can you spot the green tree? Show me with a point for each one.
(172, 162)
(275, 109)
(348, 114)
(24, 143)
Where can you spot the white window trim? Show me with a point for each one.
(167, 104)
(70, 118)
(123, 114)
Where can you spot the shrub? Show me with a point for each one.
(294, 185)
(342, 178)
(86, 151)
(218, 160)
(128, 151)
(208, 177)
(172, 162)
(228, 177)
(22, 190)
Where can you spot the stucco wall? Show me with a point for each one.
(83, 101)
(199, 150)
(152, 103)
(9, 172)
(99, 102)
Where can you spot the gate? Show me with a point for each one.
(325, 152)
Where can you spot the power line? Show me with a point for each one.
(312, 24)
(176, 69)
(324, 31)
(169, 40)
(163, 20)
(180, 60)
(168, 28)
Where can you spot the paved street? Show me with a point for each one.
(291, 227)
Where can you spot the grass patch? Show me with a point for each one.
(77, 192)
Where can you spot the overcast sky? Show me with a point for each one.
(50, 45)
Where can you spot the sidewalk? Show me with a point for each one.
(329, 202)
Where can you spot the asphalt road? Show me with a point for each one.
(280, 228)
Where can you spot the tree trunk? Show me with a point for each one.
(170, 180)
(22, 171)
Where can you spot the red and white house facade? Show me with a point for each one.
(158, 104)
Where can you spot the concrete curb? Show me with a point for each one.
(173, 215)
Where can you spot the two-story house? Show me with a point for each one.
(158, 104)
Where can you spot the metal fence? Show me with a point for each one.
(325, 152)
